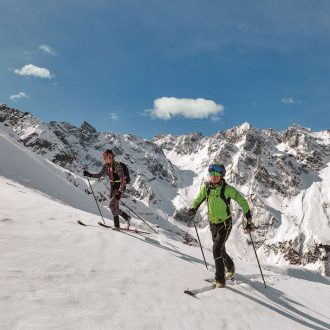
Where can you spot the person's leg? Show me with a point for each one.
(220, 234)
(126, 217)
(116, 221)
(123, 214)
(229, 263)
(114, 207)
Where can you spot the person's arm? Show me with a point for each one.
(97, 175)
(198, 201)
(242, 202)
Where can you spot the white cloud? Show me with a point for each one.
(32, 70)
(16, 97)
(47, 49)
(168, 107)
(114, 116)
(289, 100)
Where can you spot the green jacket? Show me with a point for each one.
(217, 207)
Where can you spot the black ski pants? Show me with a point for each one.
(220, 233)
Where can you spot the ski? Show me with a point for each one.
(137, 231)
(209, 280)
(81, 223)
(229, 281)
(84, 224)
(188, 292)
(195, 292)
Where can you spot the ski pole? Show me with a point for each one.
(95, 200)
(139, 217)
(199, 241)
(255, 252)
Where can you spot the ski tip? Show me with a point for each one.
(80, 223)
(104, 225)
(188, 292)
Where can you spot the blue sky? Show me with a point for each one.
(151, 66)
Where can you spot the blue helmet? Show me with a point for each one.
(218, 168)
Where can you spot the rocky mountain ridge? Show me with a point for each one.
(274, 170)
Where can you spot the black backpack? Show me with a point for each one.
(126, 172)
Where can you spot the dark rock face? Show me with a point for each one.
(294, 257)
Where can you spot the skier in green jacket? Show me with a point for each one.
(218, 194)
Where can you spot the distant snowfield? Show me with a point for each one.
(56, 274)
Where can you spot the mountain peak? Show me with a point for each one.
(85, 126)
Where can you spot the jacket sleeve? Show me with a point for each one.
(200, 197)
(241, 201)
(101, 173)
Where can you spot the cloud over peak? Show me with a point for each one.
(166, 108)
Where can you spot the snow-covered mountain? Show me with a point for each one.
(56, 274)
(153, 176)
(284, 175)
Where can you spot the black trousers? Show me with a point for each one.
(220, 233)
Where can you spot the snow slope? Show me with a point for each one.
(56, 274)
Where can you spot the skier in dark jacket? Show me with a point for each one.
(118, 185)
(218, 194)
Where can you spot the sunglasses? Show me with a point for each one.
(215, 174)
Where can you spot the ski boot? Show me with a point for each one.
(219, 284)
(128, 221)
(230, 274)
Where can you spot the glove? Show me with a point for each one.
(86, 173)
(117, 194)
(192, 212)
(249, 227)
